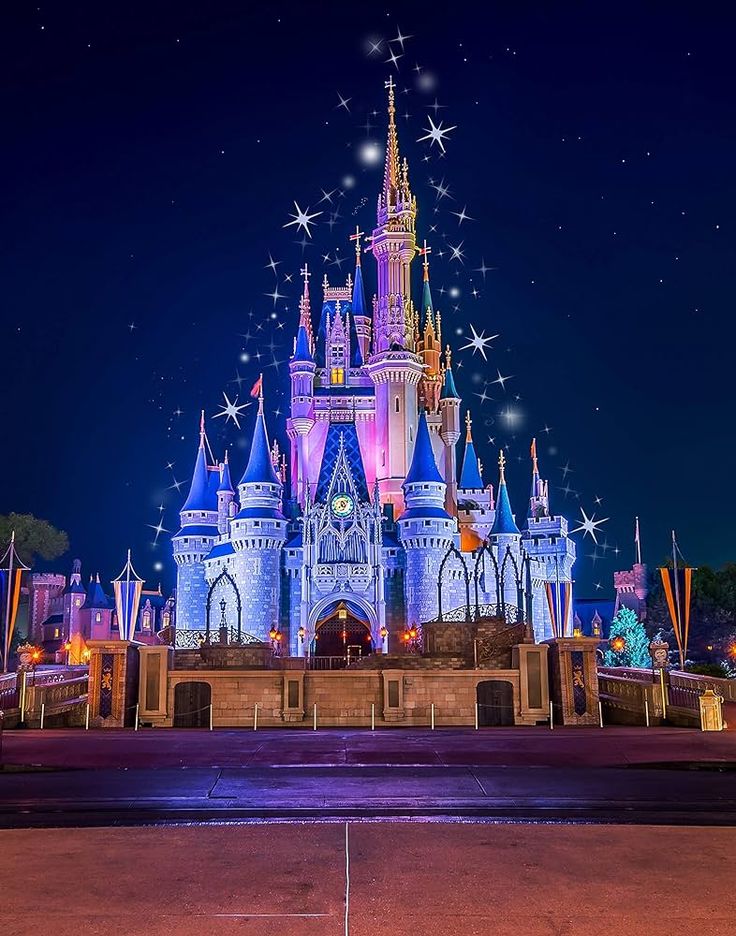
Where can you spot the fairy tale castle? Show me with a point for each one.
(381, 521)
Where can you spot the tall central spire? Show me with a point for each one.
(391, 170)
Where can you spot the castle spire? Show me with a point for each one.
(449, 390)
(423, 467)
(470, 476)
(391, 179)
(305, 309)
(201, 496)
(504, 520)
(539, 497)
(260, 467)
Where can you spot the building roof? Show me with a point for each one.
(220, 550)
(470, 479)
(199, 529)
(226, 485)
(359, 306)
(201, 496)
(96, 597)
(504, 521)
(423, 466)
(260, 467)
(449, 390)
(301, 351)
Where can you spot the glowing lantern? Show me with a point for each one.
(618, 643)
(301, 632)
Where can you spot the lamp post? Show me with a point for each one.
(223, 622)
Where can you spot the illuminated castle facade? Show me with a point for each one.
(374, 524)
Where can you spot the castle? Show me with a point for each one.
(375, 526)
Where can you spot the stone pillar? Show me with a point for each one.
(531, 661)
(154, 665)
(573, 672)
(113, 683)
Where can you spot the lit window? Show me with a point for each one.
(337, 375)
(57, 632)
(146, 620)
(98, 617)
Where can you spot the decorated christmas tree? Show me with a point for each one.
(628, 644)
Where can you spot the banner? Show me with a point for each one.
(11, 572)
(678, 592)
(127, 587)
(559, 602)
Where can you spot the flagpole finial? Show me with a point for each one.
(535, 463)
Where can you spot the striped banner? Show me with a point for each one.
(559, 602)
(679, 613)
(9, 598)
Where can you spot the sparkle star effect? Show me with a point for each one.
(231, 409)
(436, 134)
(589, 525)
(302, 219)
(479, 342)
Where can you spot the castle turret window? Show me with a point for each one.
(337, 375)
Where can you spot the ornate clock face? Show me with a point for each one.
(342, 505)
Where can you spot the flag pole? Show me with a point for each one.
(680, 647)
(637, 540)
(6, 636)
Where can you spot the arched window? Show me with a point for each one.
(146, 620)
(337, 375)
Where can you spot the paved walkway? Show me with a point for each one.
(532, 747)
(402, 879)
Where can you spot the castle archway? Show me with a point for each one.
(342, 627)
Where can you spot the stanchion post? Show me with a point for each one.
(314, 717)
(210, 716)
(477, 720)
(551, 716)
(600, 713)
(86, 719)
(373, 716)
(646, 711)
(43, 713)
(23, 697)
(663, 688)
(255, 717)
(431, 713)
(137, 714)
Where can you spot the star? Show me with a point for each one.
(589, 525)
(272, 264)
(399, 38)
(436, 106)
(482, 269)
(457, 251)
(343, 102)
(443, 191)
(501, 379)
(231, 409)
(374, 46)
(393, 59)
(478, 342)
(435, 134)
(159, 528)
(326, 196)
(275, 295)
(462, 216)
(302, 219)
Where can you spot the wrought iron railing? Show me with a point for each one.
(194, 639)
(510, 613)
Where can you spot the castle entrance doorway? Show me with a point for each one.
(342, 633)
(192, 704)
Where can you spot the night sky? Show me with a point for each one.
(583, 210)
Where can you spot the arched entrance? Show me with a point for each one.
(495, 703)
(192, 704)
(343, 631)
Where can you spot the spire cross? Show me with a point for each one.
(535, 465)
(448, 356)
(468, 425)
(425, 251)
(356, 237)
(304, 272)
(501, 467)
(390, 85)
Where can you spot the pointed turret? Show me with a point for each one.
(96, 598)
(449, 390)
(423, 465)
(504, 522)
(470, 477)
(260, 467)
(539, 497)
(391, 171)
(200, 496)
(449, 406)
(226, 484)
(302, 351)
(305, 308)
(225, 496)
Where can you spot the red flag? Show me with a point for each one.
(257, 387)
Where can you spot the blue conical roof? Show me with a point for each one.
(201, 496)
(423, 465)
(426, 300)
(96, 597)
(260, 467)
(226, 484)
(301, 351)
(470, 478)
(359, 307)
(449, 390)
(504, 521)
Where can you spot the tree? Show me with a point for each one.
(33, 537)
(628, 644)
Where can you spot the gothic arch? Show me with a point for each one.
(224, 576)
(334, 598)
(485, 548)
(453, 551)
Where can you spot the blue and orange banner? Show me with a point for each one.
(11, 573)
(559, 602)
(127, 587)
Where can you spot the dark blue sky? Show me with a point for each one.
(151, 156)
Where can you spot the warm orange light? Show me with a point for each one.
(709, 647)
(68, 646)
(413, 633)
(732, 650)
(301, 632)
(36, 656)
(273, 633)
(618, 644)
(384, 632)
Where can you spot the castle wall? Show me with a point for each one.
(191, 596)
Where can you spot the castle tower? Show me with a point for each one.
(426, 530)
(73, 595)
(430, 344)
(225, 497)
(361, 318)
(199, 519)
(450, 432)
(539, 498)
(394, 367)
(506, 538)
(474, 501)
(302, 369)
(258, 532)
